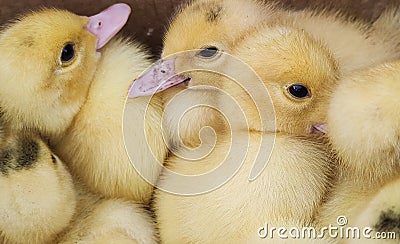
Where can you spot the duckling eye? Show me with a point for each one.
(208, 52)
(53, 159)
(299, 91)
(67, 53)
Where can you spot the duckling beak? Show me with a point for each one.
(108, 23)
(159, 77)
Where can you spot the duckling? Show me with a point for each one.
(363, 129)
(217, 202)
(41, 203)
(82, 97)
(48, 60)
(37, 192)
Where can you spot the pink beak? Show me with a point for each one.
(108, 23)
(159, 77)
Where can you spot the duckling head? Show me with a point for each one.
(298, 72)
(48, 60)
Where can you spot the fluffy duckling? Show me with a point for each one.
(75, 97)
(37, 193)
(40, 203)
(48, 61)
(364, 131)
(218, 203)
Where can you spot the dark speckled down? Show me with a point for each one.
(18, 156)
(389, 221)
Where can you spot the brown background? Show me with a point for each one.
(150, 17)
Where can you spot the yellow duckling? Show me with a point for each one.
(40, 203)
(218, 203)
(74, 95)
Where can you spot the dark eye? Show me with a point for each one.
(68, 53)
(208, 52)
(299, 91)
(53, 158)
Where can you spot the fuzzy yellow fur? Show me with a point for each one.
(94, 145)
(36, 203)
(296, 177)
(354, 43)
(319, 46)
(79, 106)
(357, 46)
(363, 129)
(191, 30)
(41, 203)
(41, 94)
(38, 92)
(285, 194)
